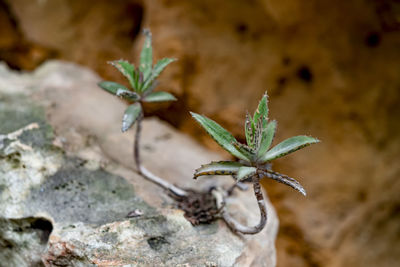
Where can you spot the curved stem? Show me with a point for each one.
(146, 173)
(239, 228)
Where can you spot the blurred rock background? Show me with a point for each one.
(331, 68)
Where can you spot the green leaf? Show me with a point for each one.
(130, 116)
(159, 97)
(284, 179)
(245, 150)
(127, 69)
(146, 56)
(129, 95)
(245, 172)
(248, 128)
(267, 138)
(288, 146)
(111, 87)
(258, 134)
(220, 135)
(158, 68)
(218, 168)
(262, 111)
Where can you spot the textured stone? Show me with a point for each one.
(66, 188)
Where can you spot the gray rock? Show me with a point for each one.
(67, 182)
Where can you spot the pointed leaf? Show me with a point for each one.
(245, 172)
(284, 179)
(158, 68)
(111, 87)
(151, 87)
(159, 97)
(245, 150)
(288, 146)
(258, 133)
(146, 56)
(129, 95)
(262, 111)
(267, 137)
(130, 116)
(219, 134)
(248, 128)
(218, 168)
(127, 69)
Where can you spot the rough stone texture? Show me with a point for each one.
(65, 189)
(331, 70)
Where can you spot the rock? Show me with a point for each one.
(67, 183)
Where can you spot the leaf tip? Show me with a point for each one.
(147, 32)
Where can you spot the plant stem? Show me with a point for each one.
(239, 228)
(146, 173)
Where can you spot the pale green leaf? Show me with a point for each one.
(146, 56)
(131, 114)
(159, 97)
(288, 146)
(266, 139)
(245, 172)
(218, 168)
(158, 68)
(127, 69)
(262, 111)
(248, 128)
(245, 150)
(111, 87)
(258, 134)
(129, 95)
(220, 135)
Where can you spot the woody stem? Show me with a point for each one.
(146, 173)
(239, 228)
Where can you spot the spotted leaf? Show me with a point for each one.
(159, 97)
(262, 112)
(267, 137)
(220, 135)
(146, 56)
(131, 114)
(127, 69)
(284, 179)
(158, 68)
(288, 146)
(111, 87)
(218, 168)
(245, 172)
(129, 95)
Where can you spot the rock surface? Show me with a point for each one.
(67, 183)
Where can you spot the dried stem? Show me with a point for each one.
(146, 173)
(239, 228)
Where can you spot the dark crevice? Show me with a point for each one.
(44, 228)
(304, 73)
(156, 243)
(135, 11)
(373, 39)
(199, 207)
(5, 9)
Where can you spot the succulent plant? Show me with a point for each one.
(142, 80)
(254, 157)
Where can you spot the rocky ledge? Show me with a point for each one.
(67, 183)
